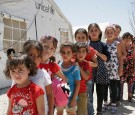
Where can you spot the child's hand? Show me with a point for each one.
(73, 103)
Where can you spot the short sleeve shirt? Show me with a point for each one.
(23, 100)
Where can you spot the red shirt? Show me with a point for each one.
(89, 57)
(85, 66)
(90, 54)
(23, 100)
(50, 67)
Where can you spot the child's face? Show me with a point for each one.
(81, 37)
(117, 32)
(81, 54)
(49, 49)
(66, 53)
(127, 40)
(20, 74)
(110, 33)
(94, 33)
(34, 55)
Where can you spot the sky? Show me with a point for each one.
(84, 12)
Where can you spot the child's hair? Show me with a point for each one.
(79, 45)
(117, 26)
(81, 30)
(126, 35)
(110, 26)
(54, 41)
(18, 60)
(33, 44)
(97, 26)
(69, 44)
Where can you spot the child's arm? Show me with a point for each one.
(40, 105)
(123, 50)
(120, 59)
(9, 107)
(77, 87)
(50, 98)
(94, 62)
(61, 75)
(84, 73)
(104, 57)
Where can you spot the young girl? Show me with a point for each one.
(114, 66)
(72, 73)
(25, 97)
(49, 44)
(35, 50)
(81, 35)
(128, 64)
(100, 74)
(81, 52)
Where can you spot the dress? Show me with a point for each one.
(100, 73)
(23, 100)
(112, 65)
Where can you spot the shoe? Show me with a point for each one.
(104, 108)
(113, 109)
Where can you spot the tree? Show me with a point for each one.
(132, 17)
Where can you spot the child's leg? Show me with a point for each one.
(59, 110)
(100, 96)
(113, 88)
(90, 97)
(82, 104)
(121, 89)
(130, 85)
(71, 110)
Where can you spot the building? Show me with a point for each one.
(21, 20)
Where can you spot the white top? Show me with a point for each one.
(42, 79)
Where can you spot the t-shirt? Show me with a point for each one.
(89, 57)
(85, 66)
(41, 79)
(50, 67)
(23, 100)
(90, 54)
(72, 73)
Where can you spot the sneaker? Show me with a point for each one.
(113, 109)
(104, 108)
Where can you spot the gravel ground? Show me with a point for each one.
(126, 108)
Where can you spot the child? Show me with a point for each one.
(114, 66)
(128, 64)
(10, 52)
(123, 51)
(25, 97)
(72, 73)
(100, 74)
(49, 44)
(35, 50)
(82, 50)
(81, 35)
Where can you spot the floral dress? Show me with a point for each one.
(128, 66)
